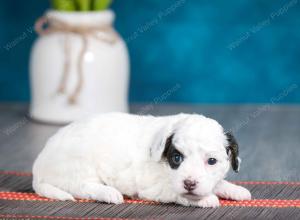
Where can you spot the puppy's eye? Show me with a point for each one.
(177, 159)
(212, 161)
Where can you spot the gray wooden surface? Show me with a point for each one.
(269, 136)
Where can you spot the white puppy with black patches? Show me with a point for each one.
(182, 158)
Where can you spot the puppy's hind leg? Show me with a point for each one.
(99, 192)
(52, 192)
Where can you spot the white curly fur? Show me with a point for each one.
(112, 154)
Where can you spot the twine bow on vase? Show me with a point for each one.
(46, 25)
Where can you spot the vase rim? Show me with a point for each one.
(105, 17)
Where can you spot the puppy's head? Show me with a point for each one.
(198, 155)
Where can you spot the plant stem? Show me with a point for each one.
(83, 5)
(63, 5)
(100, 4)
(80, 5)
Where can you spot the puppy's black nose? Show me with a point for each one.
(190, 185)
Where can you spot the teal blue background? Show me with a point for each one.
(185, 42)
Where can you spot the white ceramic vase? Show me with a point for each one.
(105, 71)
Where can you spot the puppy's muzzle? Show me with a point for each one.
(190, 185)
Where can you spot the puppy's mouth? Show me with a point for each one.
(191, 196)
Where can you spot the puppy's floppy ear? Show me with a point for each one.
(232, 150)
(162, 140)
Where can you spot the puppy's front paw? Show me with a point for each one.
(240, 193)
(231, 191)
(111, 195)
(210, 201)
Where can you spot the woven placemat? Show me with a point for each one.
(271, 200)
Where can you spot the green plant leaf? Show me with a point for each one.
(63, 5)
(101, 4)
(83, 5)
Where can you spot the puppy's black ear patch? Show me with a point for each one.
(232, 151)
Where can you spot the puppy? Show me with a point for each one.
(182, 159)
